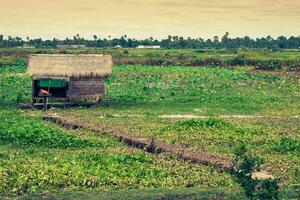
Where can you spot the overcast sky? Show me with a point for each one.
(145, 18)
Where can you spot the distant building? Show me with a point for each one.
(26, 46)
(118, 47)
(148, 47)
(72, 46)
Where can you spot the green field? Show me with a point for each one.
(212, 109)
(260, 58)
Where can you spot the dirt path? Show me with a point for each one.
(149, 144)
(191, 116)
(223, 163)
(223, 116)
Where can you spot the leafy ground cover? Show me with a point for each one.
(204, 91)
(142, 194)
(41, 157)
(139, 95)
(261, 58)
(263, 54)
(274, 140)
(177, 90)
(15, 85)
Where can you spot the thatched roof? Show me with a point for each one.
(62, 65)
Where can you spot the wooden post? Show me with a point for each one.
(33, 91)
(45, 103)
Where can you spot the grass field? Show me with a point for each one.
(264, 54)
(40, 157)
(258, 109)
(260, 58)
(229, 107)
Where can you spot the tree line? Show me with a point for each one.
(175, 42)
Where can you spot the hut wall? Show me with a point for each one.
(81, 87)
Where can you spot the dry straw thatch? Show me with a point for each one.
(58, 65)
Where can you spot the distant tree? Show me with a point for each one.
(282, 42)
(293, 42)
(151, 39)
(122, 41)
(95, 37)
(269, 38)
(170, 42)
(166, 43)
(209, 43)
(225, 38)
(247, 42)
(130, 43)
(109, 41)
(216, 41)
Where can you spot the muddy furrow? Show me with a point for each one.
(149, 144)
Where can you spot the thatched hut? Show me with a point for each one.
(65, 77)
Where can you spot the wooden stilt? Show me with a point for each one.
(45, 103)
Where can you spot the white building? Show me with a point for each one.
(72, 46)
(26, 46)
(148, 47)
(118, 47)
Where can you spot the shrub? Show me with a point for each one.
(199, 51)
(269, 65)
(286, 145)
(244, 166)
(197, 124)
(239, 60)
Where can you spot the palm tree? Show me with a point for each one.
(109, 37)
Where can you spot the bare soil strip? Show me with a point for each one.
(191, 116)
(223, 116)
(149, 144)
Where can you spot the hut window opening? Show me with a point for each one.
(55, 88)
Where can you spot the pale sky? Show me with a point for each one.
(145, 18)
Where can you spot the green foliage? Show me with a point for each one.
(261, 59)
(15, 85)
(17, 66)
(210, 134)
(287, 145)
(144, 194)
(38, 157)
(214, 123)
(244, 167)
(19, 130)
(213, 90)
(46, 170)
(108, 172)
(269, 65)
(171, 42)
(239, 152)
(195, 124)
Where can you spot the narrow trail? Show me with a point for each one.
(222, 163)
(149, 144)
(191, 116)
(225, 116)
